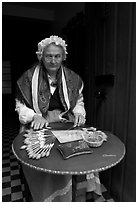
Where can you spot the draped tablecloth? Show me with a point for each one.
(50, 178)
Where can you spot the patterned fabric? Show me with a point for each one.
(62, 193)
(93, 183)
(73, 81)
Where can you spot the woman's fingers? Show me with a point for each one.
(32, 124)
(46, 124)
(76, 120)
(41, 125)
(38, 122)
(37, 125)
(79, 120)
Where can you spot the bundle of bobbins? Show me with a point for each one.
(39, 143)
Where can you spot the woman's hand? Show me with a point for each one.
(38, 122)
(79, 119)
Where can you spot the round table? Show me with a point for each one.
(106, 156)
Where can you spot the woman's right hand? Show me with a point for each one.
(38, 122)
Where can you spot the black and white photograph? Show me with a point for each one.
(68, 101)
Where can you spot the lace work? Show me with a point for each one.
(59, 192)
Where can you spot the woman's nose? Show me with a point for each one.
(53, 60)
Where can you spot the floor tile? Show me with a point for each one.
(15, 163)
(14, 172)
(7, 154)
(14, 167)
(16, 196)
(6, 185)
(6, 198)
(6, 169)
(13, 159)
(6, 179)
(15, 177)
(15, 189)
(19, 200)
(5, 174)
(6, 191)
(6, 161)
(5, 165)
(5, 157)
(5, 150)
(16, 182)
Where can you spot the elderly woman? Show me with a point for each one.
(49, 92)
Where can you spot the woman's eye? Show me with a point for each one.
(58, 56)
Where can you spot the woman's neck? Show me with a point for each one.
(52, 75)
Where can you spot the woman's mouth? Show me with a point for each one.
(53, 65)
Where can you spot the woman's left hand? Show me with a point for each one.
(79, 119)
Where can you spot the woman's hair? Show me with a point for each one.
(47, 41)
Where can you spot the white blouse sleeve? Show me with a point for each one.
(25, 114)
(79, 108)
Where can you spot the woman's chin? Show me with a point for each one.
(53, 69)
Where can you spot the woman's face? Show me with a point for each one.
(52, 58)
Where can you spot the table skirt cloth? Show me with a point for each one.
(46, 187)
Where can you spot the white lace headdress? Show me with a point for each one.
(53, 39)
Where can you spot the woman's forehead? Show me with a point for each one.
(53, 49)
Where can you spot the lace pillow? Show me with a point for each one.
(71, 149)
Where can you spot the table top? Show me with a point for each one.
(77, 165)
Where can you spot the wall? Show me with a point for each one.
(20, 46)
(6, 77)
(28, 23)
(23, 26)
(27, 11)
(110, 30)
(66, 11)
